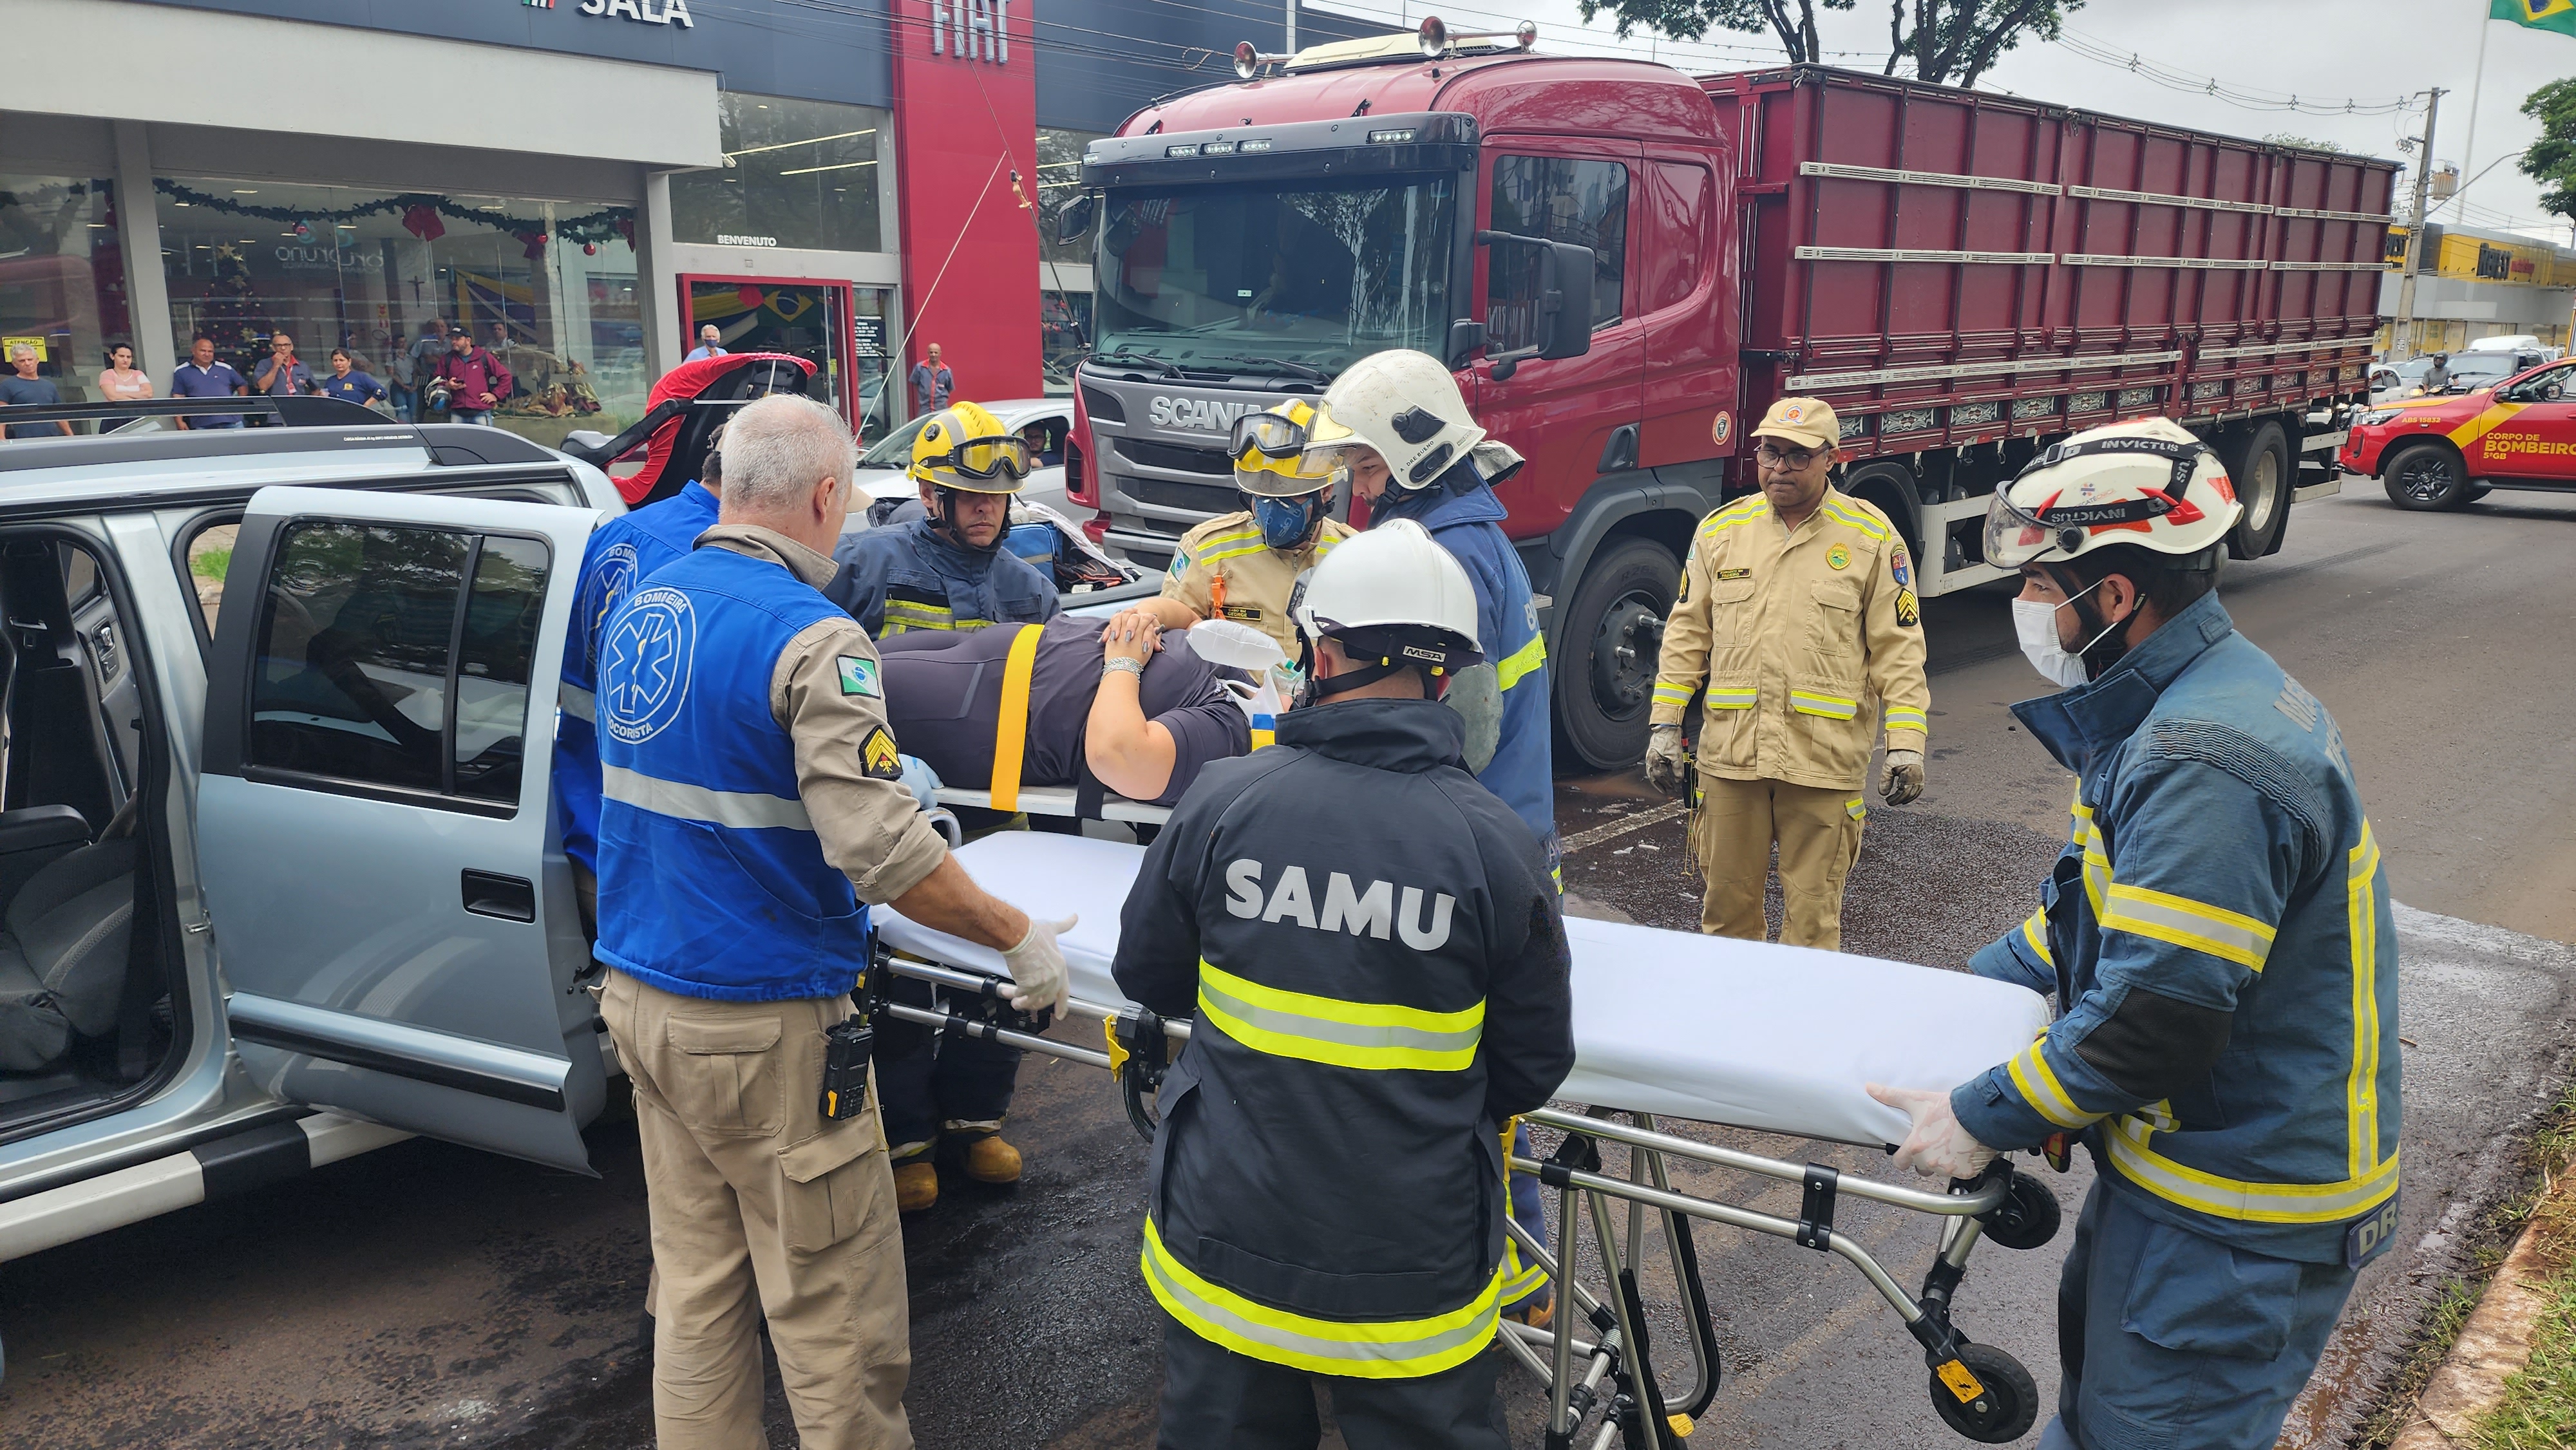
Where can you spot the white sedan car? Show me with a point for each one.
(883, 469)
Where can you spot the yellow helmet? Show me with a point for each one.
(1269, 449)
(965, 447)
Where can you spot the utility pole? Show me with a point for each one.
(1291, 47)
(2401, 342)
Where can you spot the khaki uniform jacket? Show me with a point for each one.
(1801, 638)
(1225, 557)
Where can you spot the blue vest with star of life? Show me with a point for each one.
(712, 882)
(623, 553)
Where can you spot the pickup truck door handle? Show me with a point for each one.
(511, 898)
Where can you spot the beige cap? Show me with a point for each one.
(1807, 422)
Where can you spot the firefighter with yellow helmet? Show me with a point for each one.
(948, 570)
(1242, 566)
(2218, 937)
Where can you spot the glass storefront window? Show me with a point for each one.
(62, 278)
(548, 287)
(796, 174)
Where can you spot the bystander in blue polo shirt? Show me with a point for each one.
(354, 386)
(210, 379)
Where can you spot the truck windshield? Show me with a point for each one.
(1246, 278)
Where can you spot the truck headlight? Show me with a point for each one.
(2377, 416)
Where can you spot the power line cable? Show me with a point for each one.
(2174, 78)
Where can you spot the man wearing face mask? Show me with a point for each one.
(948, 570)
(1241, 566)
(2218, 937)
(1797, 614)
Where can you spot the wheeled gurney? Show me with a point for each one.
(1666, 1024)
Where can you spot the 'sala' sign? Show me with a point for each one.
(651, 12)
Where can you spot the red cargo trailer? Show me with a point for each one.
(1966, 277)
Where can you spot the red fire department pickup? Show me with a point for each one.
(1625, 264)
(2447, 451)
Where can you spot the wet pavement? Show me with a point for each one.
(430, 1296)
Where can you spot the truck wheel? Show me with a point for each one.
(2425, 476)
(1612, 640)
(2264, 472)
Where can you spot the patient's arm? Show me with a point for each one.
(1131, 754)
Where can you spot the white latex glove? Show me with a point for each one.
(1937, 1147)
(921, 780)
(1667, 763)
(1037, 966)
(1904, 777)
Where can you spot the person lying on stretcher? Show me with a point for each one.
(1065, 703)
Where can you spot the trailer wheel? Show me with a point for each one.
(2424, 476)
(2264, 472)
(1613, 640)
(2006, 1404)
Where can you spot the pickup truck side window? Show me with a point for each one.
(378, 664)
(1563, 200)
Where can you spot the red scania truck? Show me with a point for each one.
(1966, 277)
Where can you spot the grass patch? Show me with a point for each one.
(2551, 1153)
(2539, 1405)
(210, 564)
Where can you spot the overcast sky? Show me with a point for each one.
(2367, 50)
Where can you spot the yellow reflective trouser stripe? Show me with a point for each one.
(1902, 719)
(1509, 669)
(2228, 935)
(2046, 1095)
(903, 614)
(2361, 923)
(1372, 1036)
(1832, 707)
(1011, 724)
(1731, 699)
(2034, 930)
(1520, 1280)
(1374, 1349)
(1857, 808)
(1667, 693)
(2246, 1202)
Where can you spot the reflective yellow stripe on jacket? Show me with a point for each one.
(1832, 707)
(1509, 670)
(1229, 546)
(2128, 1140)
(1372, 1036)
(2227, 935)
(903, 614)
(1375, 1349)
(2361, 1091)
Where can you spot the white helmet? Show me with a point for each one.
(1403, 404)
(2147, 482)
(1395, 593)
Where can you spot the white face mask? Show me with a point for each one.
(2035, 624)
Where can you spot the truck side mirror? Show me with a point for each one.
(1073, 221)
(1565, 289)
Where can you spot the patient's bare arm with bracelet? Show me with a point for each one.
(1131, 754)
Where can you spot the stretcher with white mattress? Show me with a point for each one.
(1666, 1024)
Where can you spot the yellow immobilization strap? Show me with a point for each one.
(1011, 725)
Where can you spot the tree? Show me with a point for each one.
(2551, 160)
(1951, 42)
(2304, 143)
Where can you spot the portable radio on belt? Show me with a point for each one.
(845, 1068)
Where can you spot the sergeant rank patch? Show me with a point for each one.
(1908, 612)
(859, 677)
(878, 754)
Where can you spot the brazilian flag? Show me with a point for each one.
(2558, 15)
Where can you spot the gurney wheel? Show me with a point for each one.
(2006, 1402)
(2028, 1216)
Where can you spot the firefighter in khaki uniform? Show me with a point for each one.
(750, 811)
(1243, 566)
(1797, 612)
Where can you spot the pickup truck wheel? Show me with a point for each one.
(2425, 476)
(2264, 471)
(1613, 638)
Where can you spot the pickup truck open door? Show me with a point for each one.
(373, 815)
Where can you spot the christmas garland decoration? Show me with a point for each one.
(421, 216)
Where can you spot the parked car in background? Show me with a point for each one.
(883, 468)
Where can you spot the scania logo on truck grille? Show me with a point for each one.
(1207, 415)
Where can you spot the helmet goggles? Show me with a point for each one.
(1003, 455)
(2018, 534)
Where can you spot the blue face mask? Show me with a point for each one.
(1285, 522)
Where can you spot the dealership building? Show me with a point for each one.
(582, 183)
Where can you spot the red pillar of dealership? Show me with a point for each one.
(965, 85)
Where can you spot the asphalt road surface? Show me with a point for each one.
(429, 1296)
